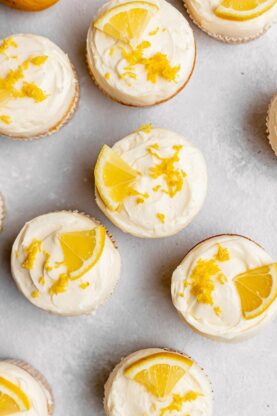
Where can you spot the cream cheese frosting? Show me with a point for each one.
(272, 124)
(38, 86)
(168, 32)
(221, 319)
(42, 280)
(173, 183)
(124, 396)
(37, 394)
(202, 11)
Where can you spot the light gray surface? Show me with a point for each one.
(222, 111)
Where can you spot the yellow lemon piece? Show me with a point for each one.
(243, 9)
(114, 178)
(128, 21)
(12, 398)
(160, 372)
(82, 250)
(257, 289)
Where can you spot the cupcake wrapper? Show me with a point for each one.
(2, 211)
(273, 147)
(40, 379)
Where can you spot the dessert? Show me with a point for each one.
(232, 20)
(140, 53)
(152, 183)
(158, 382)
(65, 263)
(226, 287)
(272, 124)
(38, 87)
(29, 5)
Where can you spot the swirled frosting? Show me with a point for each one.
(37, 85)
(272, 124)
(39, 268)
(225, 256)
(171, 188)
(168, 32)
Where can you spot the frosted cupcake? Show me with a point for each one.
(226, 287)
(232, 20)
(23, 390)
(152, 183)
(156, 382)
(38, 87)
(65, 263)
(140, 53)
(2, 211)
(29, 5)
(272, 124)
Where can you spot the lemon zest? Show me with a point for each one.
(6, 44)
(60, 285)
(201, 280)
(41, 280)
(161, 217)
(107, 75)
(5, 119)
(154, 32)
(178, 401)
(146, 128)
(217, 310)
(31, 254)
(222, 254)
(35, 294)
(84, 285)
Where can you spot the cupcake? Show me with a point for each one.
(152, 183)
(23, 390)
(29, 5)
(65, 263)
(226, 288)
(2, 211)
(158, 382)
(272, 124)
(38, 87)
(233, 21)
(140, 53)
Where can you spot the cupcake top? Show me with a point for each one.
(272, 124)
(155, 382)
(163, 187)
(226, 287)
(37, 86)
(20, 392)
(65, 263)
(148, 65)
(238, 20)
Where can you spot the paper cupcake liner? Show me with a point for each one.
(226, 39)
(2, 211)
(68, 116)
(40, 379)
(13, 5)
(273, 146)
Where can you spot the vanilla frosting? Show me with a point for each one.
(124, 396)
(160, 214)
(202, 11)
(272, 124)
(81, 296)
(37, 394)
(168, 32)
(52, 74)
(228, 323)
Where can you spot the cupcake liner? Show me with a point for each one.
(13, 5)
(273, 145)
(2, 211)
(40, 379)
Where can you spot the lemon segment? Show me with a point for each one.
(12, 398)
(128, 21)
(160, 372)
(257, 289)
(82, 250)
(114, 178)
(241, 10)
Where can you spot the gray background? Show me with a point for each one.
(223, 111)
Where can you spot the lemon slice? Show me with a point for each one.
(257, 289)
(114, 178)
(82, 250)
(243, 9)
(127, 21)
(12, 398)
(160, 372)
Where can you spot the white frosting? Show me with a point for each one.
(102, 277)
(38, 396)
(124, 396)
(174, 38)
(141, 219)
(230, 324)
(272, 124)
(202, 12)
(55, 77)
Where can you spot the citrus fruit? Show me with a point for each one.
(243, 9)
(12, 398)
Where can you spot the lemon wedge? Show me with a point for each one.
(12, 398)
(114, 178)
(257, 289)
(160, 372)
(243, 9)
(128, 21)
